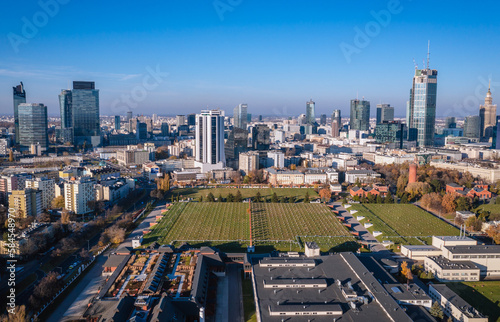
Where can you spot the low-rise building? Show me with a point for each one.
(362, 176)
(312, 176)
(375, 190)
(284, 177)
(112, 190)
(453, 305)
(132, 157)
(446, 270)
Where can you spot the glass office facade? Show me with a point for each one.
(33, 125)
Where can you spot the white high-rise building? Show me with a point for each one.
(209, 150)
(47, 186)
(77, 194)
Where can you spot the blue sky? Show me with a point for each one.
(272, 55)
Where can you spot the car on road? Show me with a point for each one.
(70, 266)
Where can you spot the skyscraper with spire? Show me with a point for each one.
(488, 115)
(422, 105)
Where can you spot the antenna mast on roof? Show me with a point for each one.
(428, 52)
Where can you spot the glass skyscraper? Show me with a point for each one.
(336, 123)
(422, 105)
(19, 98)
(80, 112)
(33, 125)
(360, 115)
(310, 116)
(117, 122)
(240, 115)
(385, 112)
(472, 126)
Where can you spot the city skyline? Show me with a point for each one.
(273, 61)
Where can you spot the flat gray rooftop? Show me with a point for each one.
(401, 293)
(456, 300)
(474, 249)
(445, 263)
(344, 267)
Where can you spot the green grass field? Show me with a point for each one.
(483, 295)
(403, 223)
(195, 193)
(248, 301)
(492, 208)
(275, 226)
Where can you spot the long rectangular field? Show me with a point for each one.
(403, 223)
(275, 226)
(196, 193)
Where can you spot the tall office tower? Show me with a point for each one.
(261, 137)
(310, 116)
(422, 108)
(19, 98)
(86, 123)
(210, 138)
(191, 119)
(488, 115)
(249, 117)
(80, 113)
(180, 120)
(472, 126)
(260, 118)
(360, 115)
(236, 143)
(164, 129)
(129, 115)
(33, 125)
(496, 135)
(450, 122)
(322, 119)
(154, 118)
(149, 124)
(141, 131)
(240, 115)
(66, 109)
(385, 112)
(117, 122)
(46, 186)
(336, 123)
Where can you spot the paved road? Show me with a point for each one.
(76, 301)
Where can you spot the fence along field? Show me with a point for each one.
(275, 226)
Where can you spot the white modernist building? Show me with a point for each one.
(457, 258)
(209, 147)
